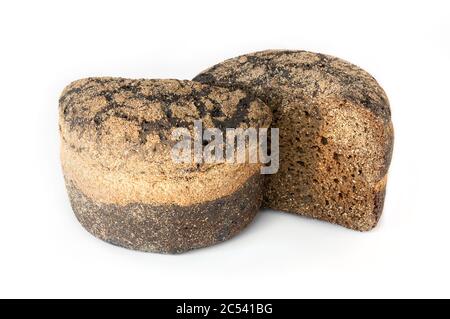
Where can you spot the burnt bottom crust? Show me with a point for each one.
(169, 229)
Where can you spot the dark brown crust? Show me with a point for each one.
(378, 204)
(169, 228)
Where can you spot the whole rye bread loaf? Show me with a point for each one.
(336, 135)
(125, 188)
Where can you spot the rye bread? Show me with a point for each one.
(336, 134)
(123, 185)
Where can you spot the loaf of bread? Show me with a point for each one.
(123, 184)
(336, 135)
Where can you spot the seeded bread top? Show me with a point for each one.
(276, 75)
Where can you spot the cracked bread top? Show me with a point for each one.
(274, 75)
(155, 107)
(117, 138)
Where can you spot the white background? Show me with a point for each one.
(46, 44)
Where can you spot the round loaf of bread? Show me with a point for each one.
(336, 135)
(125, 187)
